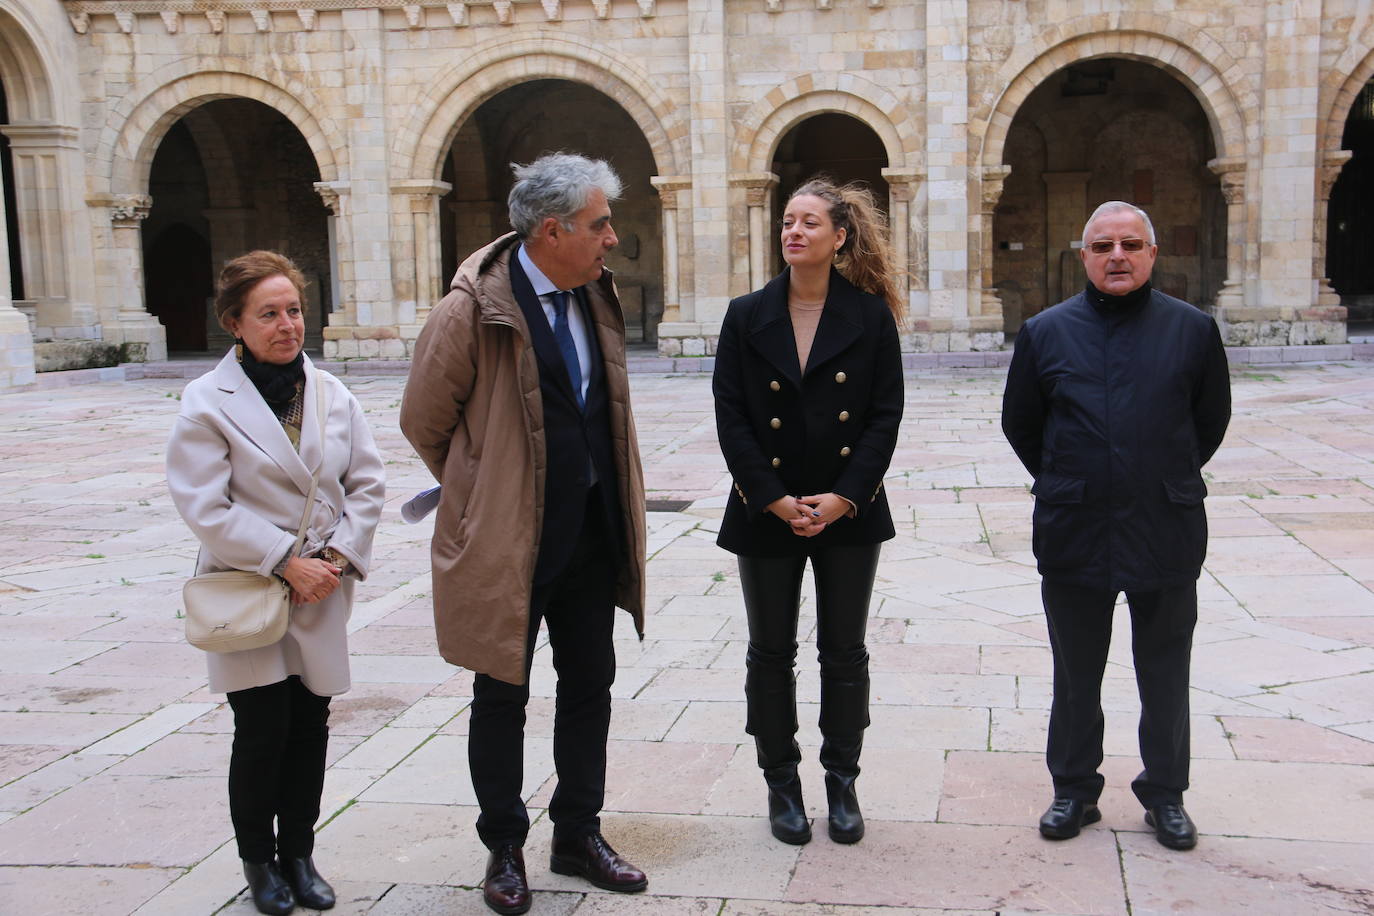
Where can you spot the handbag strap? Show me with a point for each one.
(315, 479)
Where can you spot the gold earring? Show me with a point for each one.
(238, 349)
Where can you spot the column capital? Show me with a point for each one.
(993, 177)
(668, 187)
(332, 193)
(44, 136)
(126, 210)
(1331, 166)
(902, 183)
(422, 192)
(757, 186)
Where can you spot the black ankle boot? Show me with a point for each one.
(846, 821)
(310, 888)
(271, 894)
(786, 812)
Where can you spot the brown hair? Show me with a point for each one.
(865, 259)
(246, 271)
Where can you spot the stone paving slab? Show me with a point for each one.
(113, 753)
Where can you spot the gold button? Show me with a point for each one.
(844, 416)
(777, 462)
(844, 452)
(775, 423)
(840, 377)
(774, 385)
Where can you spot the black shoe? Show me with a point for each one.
(786, 811)
(1173, 827)
(310, 888)
(846, 821)
(505, 888)
(590, 856)
(271, 894)
(1066, 816)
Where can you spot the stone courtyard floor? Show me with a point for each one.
(113, 754)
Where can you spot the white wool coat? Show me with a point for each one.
(241, 488)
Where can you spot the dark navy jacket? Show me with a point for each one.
(1114, 409)
(831, 430)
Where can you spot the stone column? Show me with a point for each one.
(1332, 163)
(141, 333)
(1231, 172)
(902, 185)
(339, 339)
(16, 341)
(989, 306)
(418, 262)
(758, 196)
(58, 289)
(1066, 209)
(668, 193)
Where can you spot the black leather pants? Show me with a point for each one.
(772, 595)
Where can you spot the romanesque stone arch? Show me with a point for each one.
(1199, 62)
(792, 102)
(23, 72)
(1340, 85)
(135, 126)
(459, 90)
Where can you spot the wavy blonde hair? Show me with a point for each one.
(865, 259)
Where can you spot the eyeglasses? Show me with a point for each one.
(1103, 246)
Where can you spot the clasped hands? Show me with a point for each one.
(311, 579)
(808, 516)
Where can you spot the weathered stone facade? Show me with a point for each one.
(993, 125)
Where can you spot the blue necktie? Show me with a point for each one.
(563, 335)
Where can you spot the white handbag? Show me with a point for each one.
(235, 610)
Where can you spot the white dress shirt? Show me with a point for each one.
(544, 288)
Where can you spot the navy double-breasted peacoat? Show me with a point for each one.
(1114, 409)
(831, 429)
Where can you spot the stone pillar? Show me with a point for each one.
(229, 234)
(702, 302)
(142, 334)
(1332, 163)
(59, 293)
(668, 193)
(1066, 209)
(902, 185)
(947, 165)
(1231, 172)
(16, 341)
(339, 339)
(418, 261)
(989, 306)
(758, 196)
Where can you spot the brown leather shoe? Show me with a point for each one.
(591, 857)
(505, 889)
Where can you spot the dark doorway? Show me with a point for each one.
(11, 210)
(1349, 229)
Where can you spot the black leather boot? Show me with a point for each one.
(846, 821)
(786, 811)
(310, 888)
(844, 716)
(271, 894)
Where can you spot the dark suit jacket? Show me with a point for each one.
(1114, 411)
(576, 440)
(830, 430)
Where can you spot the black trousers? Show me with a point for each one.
(1080, 626)
(276, 768)
(578, 605)
(772, 598)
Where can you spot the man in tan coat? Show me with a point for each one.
(519, 403)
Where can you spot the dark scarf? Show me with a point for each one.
(1117, 304)
(275, 382)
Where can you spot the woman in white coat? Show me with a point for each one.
(239, 466)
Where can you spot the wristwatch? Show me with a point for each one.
(333, 558)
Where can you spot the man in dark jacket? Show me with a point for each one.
(1115, 400)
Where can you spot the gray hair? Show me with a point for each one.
(556, 185)
(1114, 206)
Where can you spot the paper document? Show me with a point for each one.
(420, 505)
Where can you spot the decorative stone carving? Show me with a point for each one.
(1332, 163)
(262, 19)
(415, 15)
(126, 21)
(458, 12)
(602, 7)
(126, 210)
(171, 20)
(553, 9)
(994, 176)
(1232, 174)
(81, 22)
(329, 194)
(773, 6)
(503, 11)
(825, 4)
(307, 18)
(647, 8)
(216, 19)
